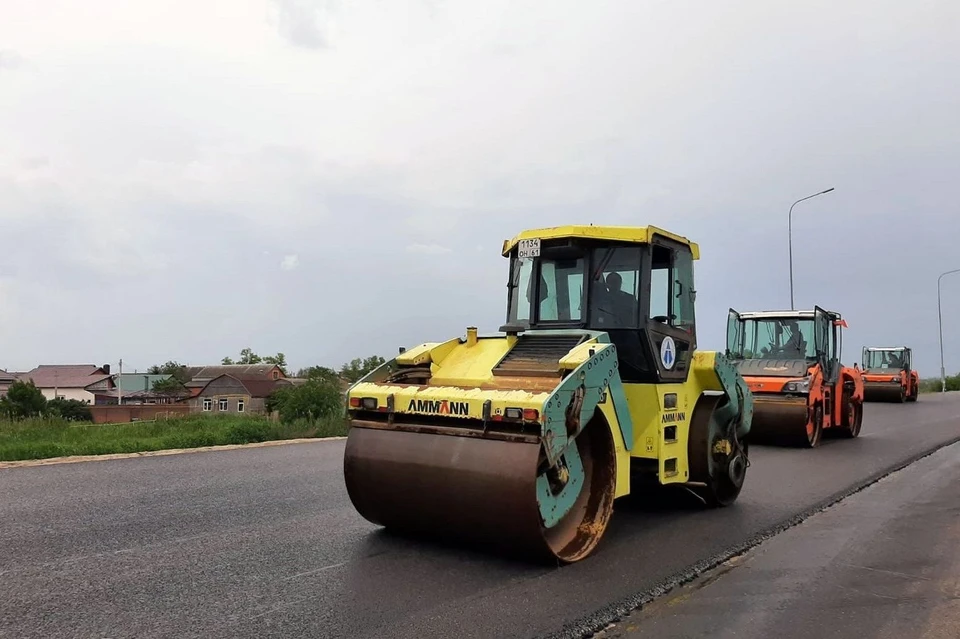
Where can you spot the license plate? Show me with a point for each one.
(528, 248)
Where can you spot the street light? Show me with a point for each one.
(943, 374)
(790, 234)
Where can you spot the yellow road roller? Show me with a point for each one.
(524, 439)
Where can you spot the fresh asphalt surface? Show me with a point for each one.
(264, 542)
(883, 563)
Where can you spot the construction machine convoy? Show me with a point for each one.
(791, 362)
(594, 385)
(888, 375)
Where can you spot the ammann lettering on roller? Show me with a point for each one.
(438, 407)
(670, 418)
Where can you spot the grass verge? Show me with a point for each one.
(51, 437)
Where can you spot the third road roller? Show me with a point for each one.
(522, 440)
(888, 374)
(791, 362)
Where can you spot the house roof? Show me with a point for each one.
(262, 388)
(255, 387)
(7, 377)
(65, 375)
(201, 375)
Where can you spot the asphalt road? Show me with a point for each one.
(883, 563)
(264, 542)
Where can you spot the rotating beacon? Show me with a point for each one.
(524, 439)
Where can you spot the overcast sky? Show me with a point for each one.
(330, 179)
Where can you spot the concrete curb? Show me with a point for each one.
(73, 459)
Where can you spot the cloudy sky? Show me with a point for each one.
(333, 178)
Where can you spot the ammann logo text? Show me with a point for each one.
(438, 407)
(669, 418)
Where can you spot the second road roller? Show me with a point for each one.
(593, 387)
(791, 362)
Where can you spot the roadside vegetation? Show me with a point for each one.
(33, 428)
(44, 437)
(932, 385)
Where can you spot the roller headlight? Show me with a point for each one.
(798, 386)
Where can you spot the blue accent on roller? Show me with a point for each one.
(587, 384)
(739, 398)
(554, 507)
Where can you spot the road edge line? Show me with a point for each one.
(591, 624)
(76, 459)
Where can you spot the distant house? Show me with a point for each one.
(137, 389)
(229, 394)
(5, 380)
(84, 382)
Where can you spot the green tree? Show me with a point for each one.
(23, 399)
(316, 399)
(73, 410)
(247, 356)
(357, 368)
(320, 372)
(176, 369)
(171, 386)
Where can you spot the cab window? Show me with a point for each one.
(614, 288)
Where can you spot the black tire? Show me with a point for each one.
(724, 478)
(852, 418)
(814, 435)
(914, 393)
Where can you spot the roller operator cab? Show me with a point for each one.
(524, 439)
(791, 362)
(888, 375)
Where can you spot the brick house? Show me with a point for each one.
(228, 394)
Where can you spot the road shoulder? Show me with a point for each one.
(882, 563)
(50, 461)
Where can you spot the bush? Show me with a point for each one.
(72, 410)
(318, 398)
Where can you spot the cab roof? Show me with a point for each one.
(635, 234)
(778, 315)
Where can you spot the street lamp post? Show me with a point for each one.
(943, 374)
(790, 235)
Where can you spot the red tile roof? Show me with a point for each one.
(65, 376)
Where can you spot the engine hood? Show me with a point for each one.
(773, 367)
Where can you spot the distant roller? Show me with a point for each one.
(889, 376)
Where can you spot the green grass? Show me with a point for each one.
(49, 437)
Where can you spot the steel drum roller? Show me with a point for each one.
(473, 489)
(782, 421)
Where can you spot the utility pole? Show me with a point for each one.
(790, 236)
(120, 385)
(943, 372)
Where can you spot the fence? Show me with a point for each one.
(136, 412)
